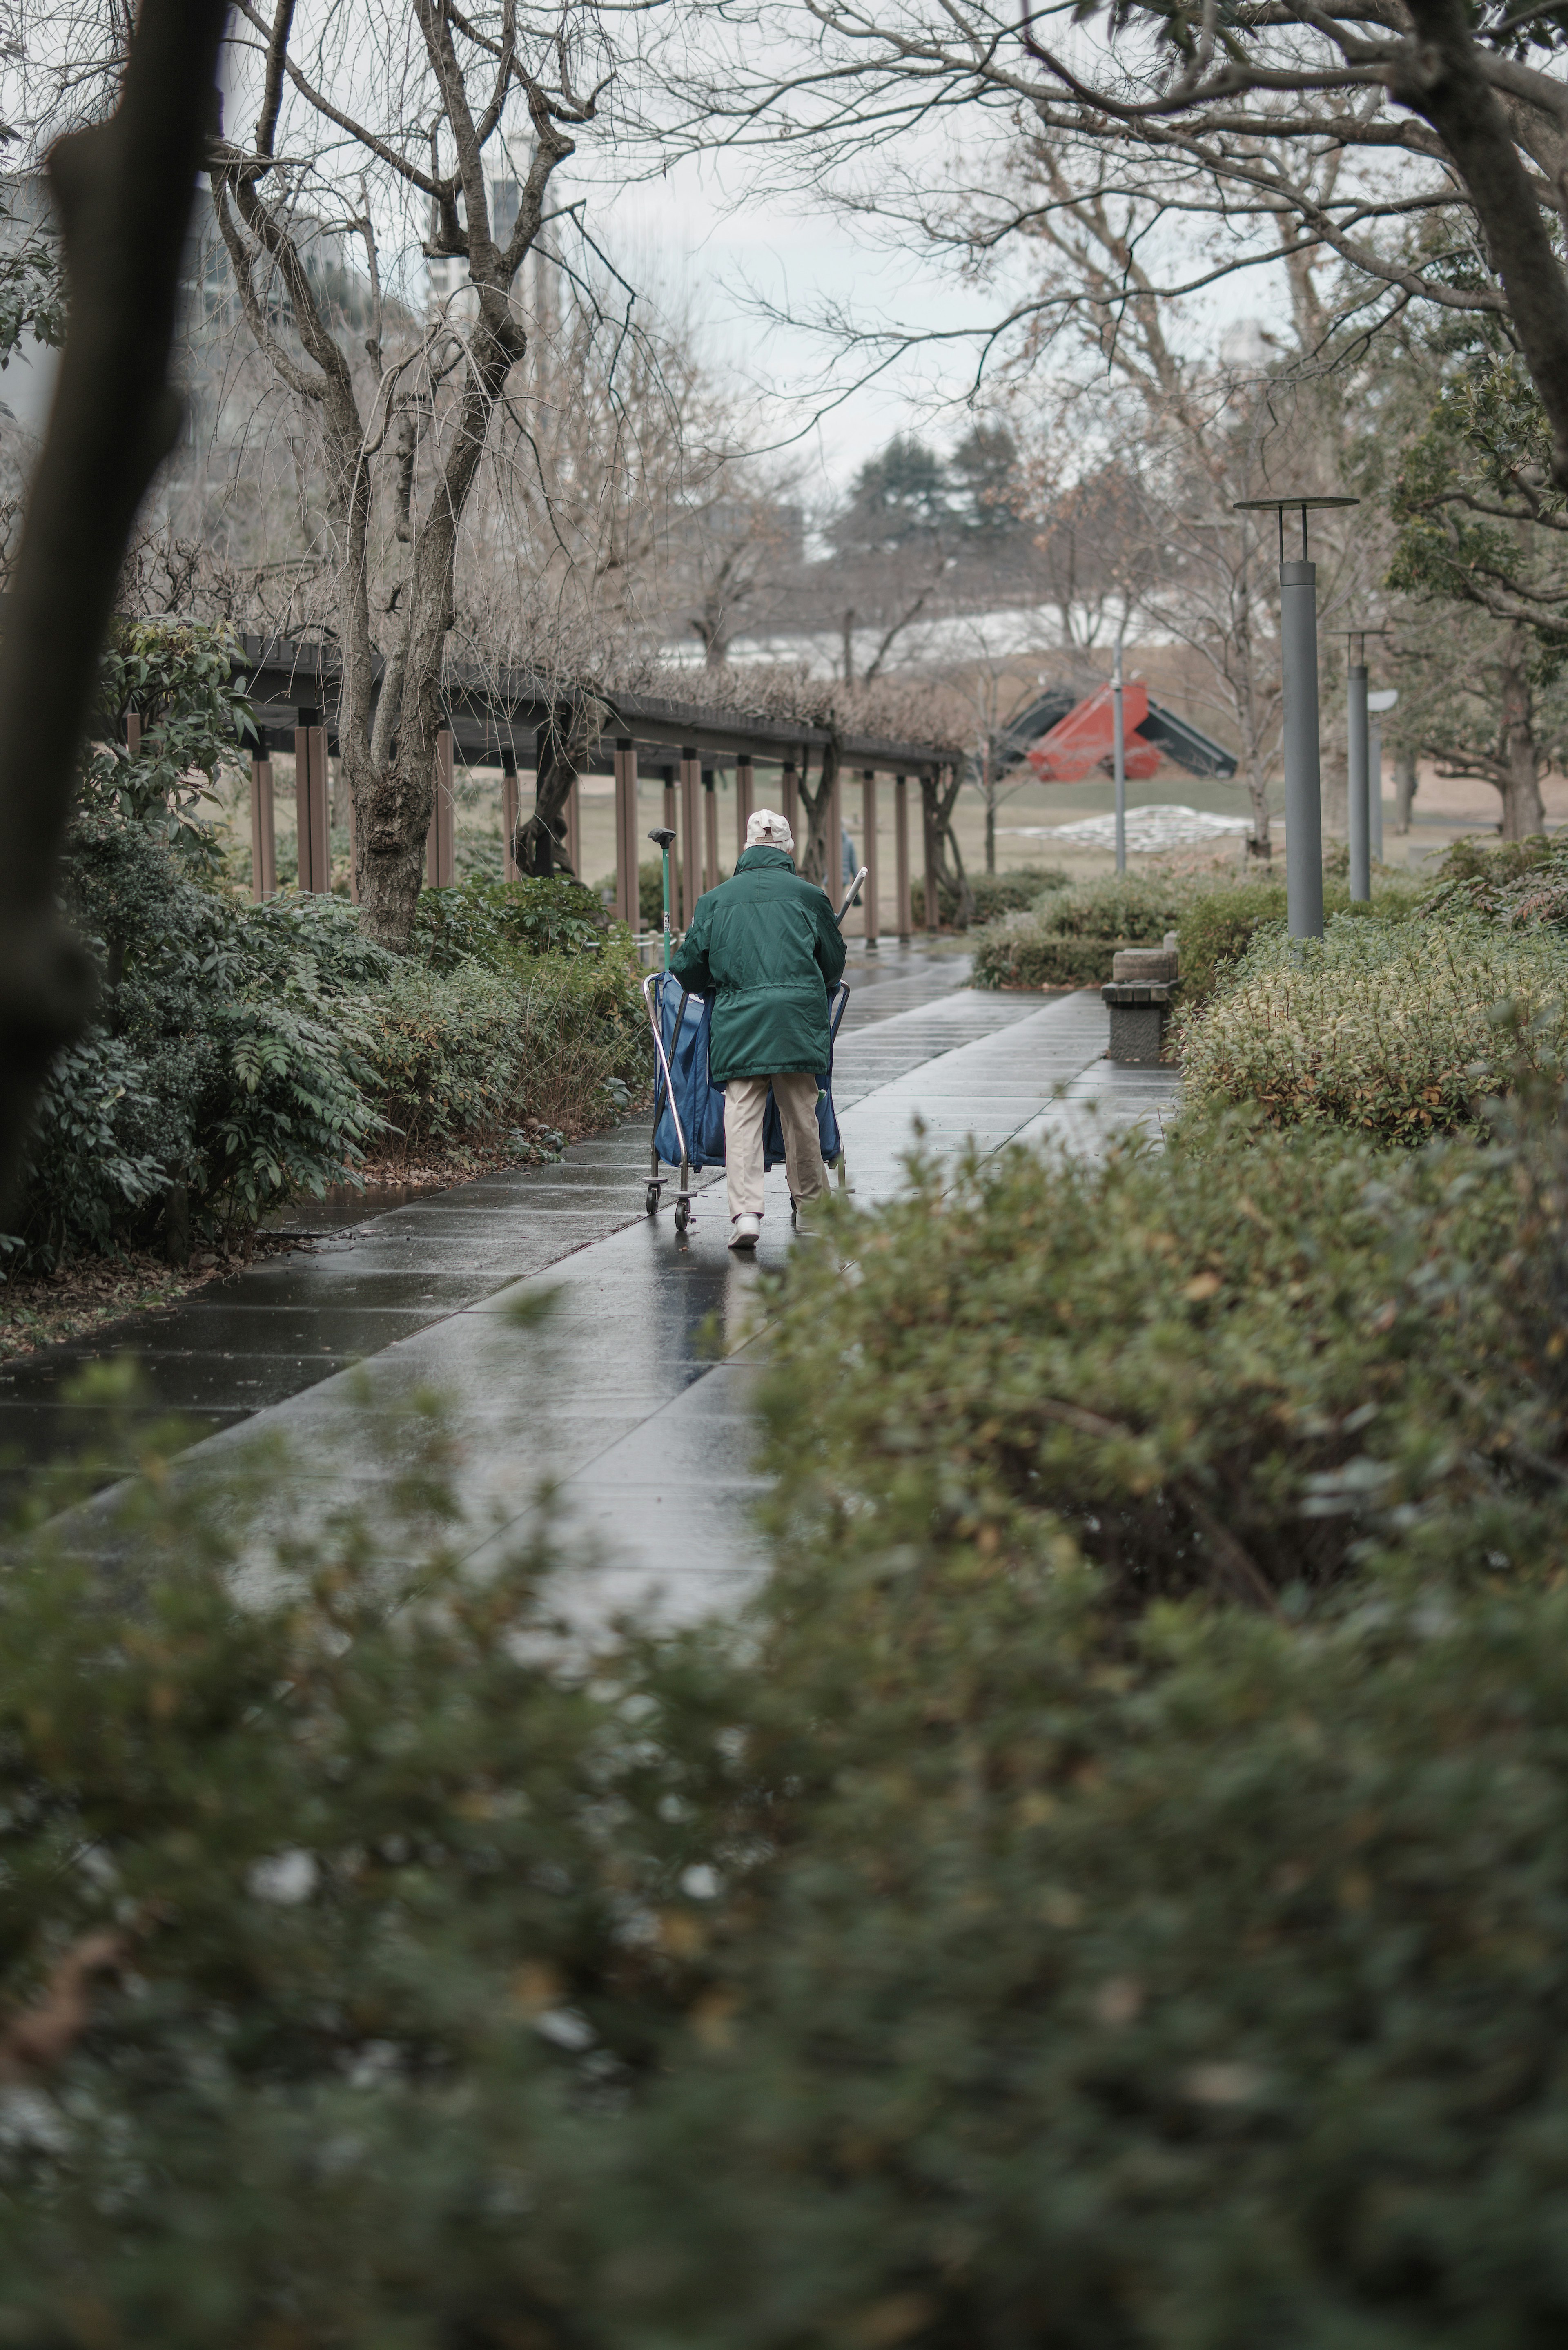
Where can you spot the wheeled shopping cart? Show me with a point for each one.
(689, 1109)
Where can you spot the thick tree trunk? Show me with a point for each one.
(123, 190)
(1522, 813)
(1405, 781)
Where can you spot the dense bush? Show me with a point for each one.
(1068, 937)
(461, 1058)
(957, 1951)
(228, 1059)
(1228, 1363)
(1388, 1026)
(1218, 926)
(505, 925)
(1521, 884)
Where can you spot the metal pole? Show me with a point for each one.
(1304, 805)
(1374, 783)
(1357, 777)
(1119, 757)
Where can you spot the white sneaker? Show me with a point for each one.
(745, 1231)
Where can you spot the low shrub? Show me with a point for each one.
(1388, 1026)
(504, 925)
(1223, 1365)
(959, 1950)
(1219, 926)
(1519, 884)
(462, 1057)
(1068, 937)
(228, 1061)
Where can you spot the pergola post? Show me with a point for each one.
(691, 833)
(833, 878)
(671, 821)
(441, 847)
(710, 830)
(509, 813)
(789, 795)
(929, 786)
(310, 801)
(868, 921)
(745, 798)
(628, 892)
(902, 854)
(263, 829)
(1358, 777)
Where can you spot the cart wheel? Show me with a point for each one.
(653, 1199)
(682, 1214)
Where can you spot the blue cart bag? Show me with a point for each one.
(685, 1026)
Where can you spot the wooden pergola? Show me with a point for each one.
(502, 718)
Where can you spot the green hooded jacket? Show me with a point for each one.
(766, 947)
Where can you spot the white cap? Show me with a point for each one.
(766, 829)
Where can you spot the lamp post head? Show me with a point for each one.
(1358, 636)
(1279, 507)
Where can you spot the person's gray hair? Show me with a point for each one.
(766, 829)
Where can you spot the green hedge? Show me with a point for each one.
(971, 1946)
(461, 1058)
(1068, 937)
(1390, 1026)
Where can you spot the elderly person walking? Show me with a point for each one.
(765, 946)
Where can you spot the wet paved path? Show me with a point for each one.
(239, 1346)
(617, 1395)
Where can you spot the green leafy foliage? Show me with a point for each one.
(1521, 884)
(230, 1056)
(465, 1056)
(1068, 937)
(32, 291)
(1394, 1028)
(1218, 926)
(179, 678)
(972, 1945)
(504, 924)
(1222, 1366)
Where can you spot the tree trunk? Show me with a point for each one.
(1405, 782)
(1258, 844)
(539, 844)
(122, 190)
(814, 853)
(1522, 813)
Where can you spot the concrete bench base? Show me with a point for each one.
(1139, 1014)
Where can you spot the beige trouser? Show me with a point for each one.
(745, 1107)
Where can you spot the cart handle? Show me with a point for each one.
(648, 985)
(854, 891)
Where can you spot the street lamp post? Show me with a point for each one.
(1119, 754)
(1304, 784)
(1376, 703)
(1358, 766)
